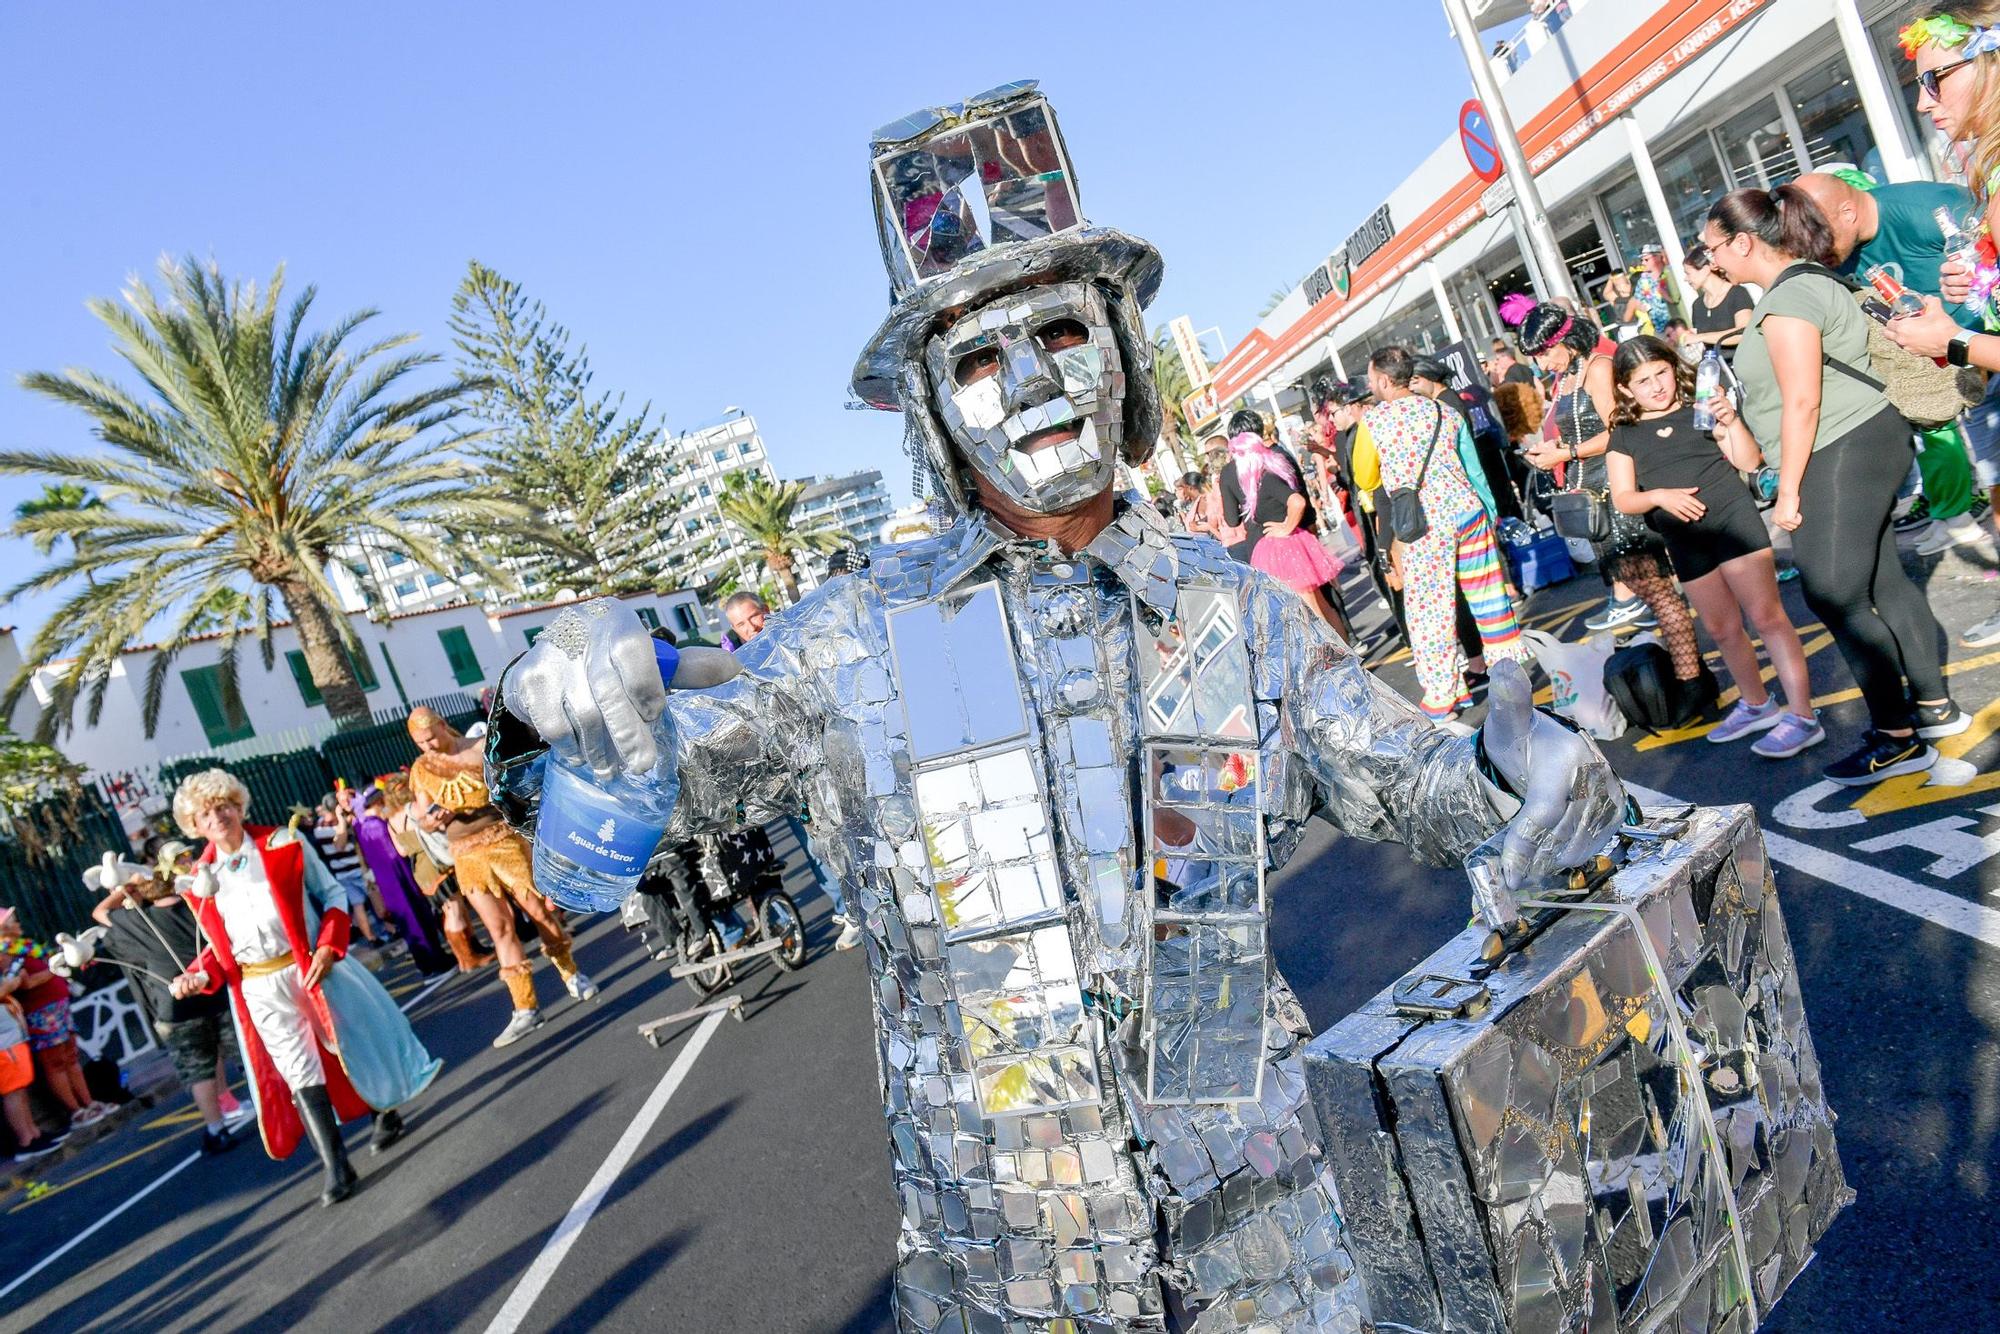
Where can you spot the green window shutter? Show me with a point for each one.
(302, 674)
(223, 720)
(464, 662)
(364, 670)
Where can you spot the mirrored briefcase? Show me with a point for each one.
(1613, 1123)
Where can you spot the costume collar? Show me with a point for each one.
(1136, 547)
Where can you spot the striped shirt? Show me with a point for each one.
(342, 864)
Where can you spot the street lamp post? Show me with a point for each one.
(1544, 250)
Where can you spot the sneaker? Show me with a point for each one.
(235, 1113)
(87, 1116)
(580, 986)
(1915, 517)
(1788, 736)
(1645, 620)
(523, 1023)
(1961, 531)
(1743, 719)
(1986, 633)
(850, 936)
(1937, 720)
(41, 1148)
(219, 1140)
(1616, 612)
(1881, 757)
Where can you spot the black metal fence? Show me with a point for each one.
(45, 852)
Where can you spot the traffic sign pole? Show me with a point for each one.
(1556, 284)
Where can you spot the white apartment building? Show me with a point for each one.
(398, 583)
(856, 506)
(695, 545)
(408, 658)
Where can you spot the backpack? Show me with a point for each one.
(1926, 393)
(1640, 677)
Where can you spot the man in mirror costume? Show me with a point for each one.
(1054, 753)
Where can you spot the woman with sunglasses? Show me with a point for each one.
(1841, 451)
(1956, 49)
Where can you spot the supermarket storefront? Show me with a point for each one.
(1635, 116)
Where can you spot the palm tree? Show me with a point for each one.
(56, 498)
(762, 512)
(252, 449)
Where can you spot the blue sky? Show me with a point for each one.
(683, 185)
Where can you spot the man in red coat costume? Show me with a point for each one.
(322, 1040)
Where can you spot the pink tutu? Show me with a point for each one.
(1298, 561)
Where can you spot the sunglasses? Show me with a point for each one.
(1929, 79)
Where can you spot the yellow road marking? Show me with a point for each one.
(100, 1171)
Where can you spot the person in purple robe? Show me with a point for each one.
(401, 896)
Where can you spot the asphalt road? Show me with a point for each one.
(759, 1200)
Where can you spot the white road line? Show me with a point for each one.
(435, 984)
(169, 1175)
(1935, 906)
(544, 1267)
(85, 1235)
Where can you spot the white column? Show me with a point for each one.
(1339, 366)
(1443, 299)
(1656, 201)
(1878, 99)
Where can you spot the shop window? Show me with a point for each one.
(1758, 147)
(458, 651)
(220, 711)
(1830, 116)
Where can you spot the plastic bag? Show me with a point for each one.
(1576, 679)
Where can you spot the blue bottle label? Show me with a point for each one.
(587, 826)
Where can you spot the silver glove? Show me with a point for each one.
(1571, 801)
(591, 687)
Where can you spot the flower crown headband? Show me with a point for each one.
(1946, 31)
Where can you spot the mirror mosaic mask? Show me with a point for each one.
(1031, 390)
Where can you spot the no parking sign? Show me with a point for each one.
(1481, 144)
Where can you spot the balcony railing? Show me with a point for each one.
(1511, 55)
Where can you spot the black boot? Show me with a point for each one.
(388, 1129)
(316, 1110)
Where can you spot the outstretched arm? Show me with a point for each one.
(737, 727)
(1385, 772)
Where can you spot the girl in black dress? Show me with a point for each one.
(1686, 484)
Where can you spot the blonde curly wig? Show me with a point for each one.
(205, 791)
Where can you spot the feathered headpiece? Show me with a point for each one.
(1946, 31)
(1515, 308)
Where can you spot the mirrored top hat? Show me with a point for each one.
(1014, 341)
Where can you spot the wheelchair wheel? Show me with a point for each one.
(707, 981)
(779, 918)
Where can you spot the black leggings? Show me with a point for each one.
(1846, 556)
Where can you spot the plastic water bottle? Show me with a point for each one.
(1707, 384)
(1961, 248)
(593, 839)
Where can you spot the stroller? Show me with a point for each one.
(715, 901)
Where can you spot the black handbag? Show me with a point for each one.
(1576, 510)
(1407, 519)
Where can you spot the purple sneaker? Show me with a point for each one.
(1743, 719)
(1790, 735)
